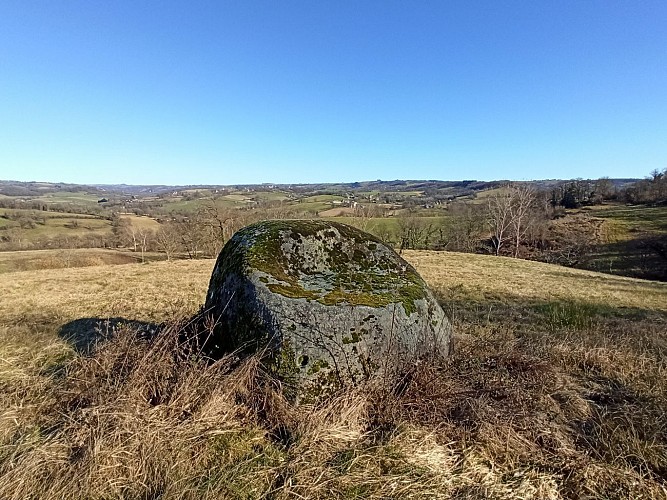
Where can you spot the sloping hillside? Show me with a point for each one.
(557, 389)
(151, 291)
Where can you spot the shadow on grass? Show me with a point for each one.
(644, 256)
(515, 308)
(84, 333)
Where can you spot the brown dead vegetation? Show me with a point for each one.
(548, 395)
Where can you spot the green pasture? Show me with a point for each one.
(51, 224)
(18, 212)
(397, 194)
(383, 226)
(631, 240)
(77, 198)
(312, 207)
(633, 218)
(69, 226)
(404, 194)
(192, 206)
(269, 196)
(322, 198)
(236, 197)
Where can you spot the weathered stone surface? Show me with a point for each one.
(330, 304)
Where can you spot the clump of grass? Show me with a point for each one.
(136, 420)
(570, 314)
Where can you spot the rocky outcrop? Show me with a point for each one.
(328, 305)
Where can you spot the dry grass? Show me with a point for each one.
(481, 278)
(142, 222)
(144, 292)
(30, 260)
(557, 389)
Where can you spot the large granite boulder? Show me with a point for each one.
(328, 305)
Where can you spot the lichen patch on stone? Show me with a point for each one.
(328, 262)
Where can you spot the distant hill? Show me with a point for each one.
(454, 188)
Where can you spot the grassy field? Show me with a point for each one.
(371, 224)
(556, 389)
(475, 278)
(39, 214)
(630, 241)
(269, 196)
(80, 198)
(633, 217)
(30, 260)
(386, 225)
(48, 225)
(322, 198)
(68, 197)
(482, 196)
(192, 206)
(52, 224)
(142, 222)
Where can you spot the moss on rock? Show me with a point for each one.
(359, 269)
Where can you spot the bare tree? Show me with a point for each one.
(167, 239)
(362, 217)
(217, 219)
(603, 188)
(385, 233)
(119, 229)
(499, 218)
(218, 224)
(189, 236)
(144, 237)
(523, 200)
(464, 229)
(508, 215)
(133, 235)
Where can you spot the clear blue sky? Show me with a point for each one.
(246, 91)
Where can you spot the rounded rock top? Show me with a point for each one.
(328, 262)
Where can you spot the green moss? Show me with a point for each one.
(323, 383)
(317, 365)
(292, 292)
(363, 272)
(355, 336)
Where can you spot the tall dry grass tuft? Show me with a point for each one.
(136, 420)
